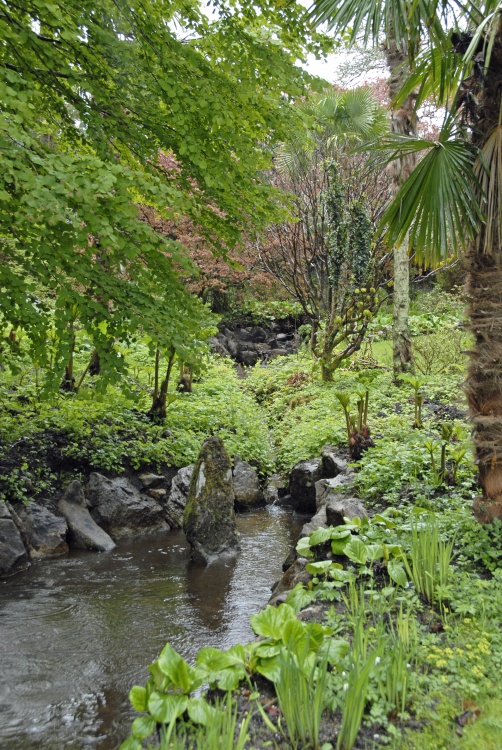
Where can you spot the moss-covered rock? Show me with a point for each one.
(209, 520)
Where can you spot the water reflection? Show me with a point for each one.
(78, 632)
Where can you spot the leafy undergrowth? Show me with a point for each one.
(396, 640)
(43, 444)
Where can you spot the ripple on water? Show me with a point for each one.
(78, 631)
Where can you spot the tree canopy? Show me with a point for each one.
(97, 97)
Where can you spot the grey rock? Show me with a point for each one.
(219, 347)
(275, 489)
(233, 346)
(74, 494)
(4, 511)
(151, 480)
(294, 574)
(247, 488)
(244, 334)
(316, 522)
(177, 500)
(302, 480)
(117, 506)
(43, 531)
(209, 519)
(83, 531)
(326, 489)
(262, 348)
(281, 337)
(332, 463)
(13, 554)
(349, 507)
(260, 335)
(248, 358)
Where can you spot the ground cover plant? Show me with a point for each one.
(404, 604)
(43, 443)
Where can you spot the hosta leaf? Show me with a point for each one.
(200, 712)
(396, 571)
(334, 650)
(375, 552)
(357, 551)
(137, 697)
(319, 536)
(166, 707)
(338, 546)
(266, 649)
(317, 568)
(228, 679)
(143, 727)
(270, 668)
(131, 743)
(340, 532)
(214, 660)
(377, 518)
(303, 547)
(299, 597)
(270, 621)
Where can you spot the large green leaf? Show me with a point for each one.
(164, 707)
(143, 727)
(357, 551)
(200, 712)
(138, 698)
(438, 205)
(396, 571)
(270, 622)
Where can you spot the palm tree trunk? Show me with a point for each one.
(403, 122)
(484, 289)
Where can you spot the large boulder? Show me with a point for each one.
(117, 506)
(344, 507)
(83, 531)
(44, 533)
(302, 481)
(331, 489)
(177, 500)
(209, 520)
(13, 555)
(333, 461)
(319, 521)
(247, 489)
(249, 357)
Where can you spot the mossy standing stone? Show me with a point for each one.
(209, 519)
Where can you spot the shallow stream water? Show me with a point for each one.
(78, 631)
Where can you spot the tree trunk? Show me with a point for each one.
(158, 410)
(403, 122)
(484, 289)
(401, 344)
(68, 381)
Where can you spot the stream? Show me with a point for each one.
(78, 631)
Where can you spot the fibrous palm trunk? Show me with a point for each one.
(403, 122)
(484, 289)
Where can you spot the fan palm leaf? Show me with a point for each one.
(438, 205)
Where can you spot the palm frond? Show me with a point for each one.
(438, 205)
(488, 170)
(400, 20)
(437, 75)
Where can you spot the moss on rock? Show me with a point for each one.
(209, 520)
